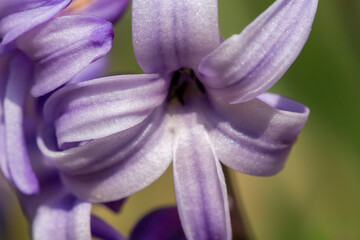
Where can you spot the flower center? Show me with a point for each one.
(183, 83)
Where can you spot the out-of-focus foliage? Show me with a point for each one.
(317, 195)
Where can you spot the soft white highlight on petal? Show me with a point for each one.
(171, 34)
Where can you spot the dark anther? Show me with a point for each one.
(173, 86)
(180, 92)
(200, 86)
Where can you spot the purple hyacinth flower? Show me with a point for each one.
(201, 102)
(54, 213)
(43, 47)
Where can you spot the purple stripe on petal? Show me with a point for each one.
(17, 156)
(248, 64)
(64, 46)
(113, 167)
(102, 230)
(256, 137)
(171, 34)
(19, 16)
(110, 10)
(161, 224)
(62, 218)
(199, 182)
(101, 107)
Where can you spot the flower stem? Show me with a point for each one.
(240, 227)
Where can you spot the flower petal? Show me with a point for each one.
(96, 69)
(161, 224)
(171, 34)
(101, 107)
(199, 182)
(102, 230)
(62, 218)
(15, 96)
(248, 64)
(109, 10)
(63, 47)
(113, 167)
(256, 137)
(4, 68)
(19, 16)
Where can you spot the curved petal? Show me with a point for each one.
(161, 224)
(101, 107)
(15, 96)
(19, 16)
(102, 230)
(248, 64)
(255, 137)
(111, 168)
(110, 10)
(199, 182)
(96, 69)
(62, 218)
(63, 47)
(171, 34)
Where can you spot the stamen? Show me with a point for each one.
(179, 86)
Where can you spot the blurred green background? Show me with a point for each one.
(317, 195)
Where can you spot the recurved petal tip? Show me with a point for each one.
(247, 64)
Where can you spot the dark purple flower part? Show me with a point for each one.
(161, 224)
(199, 102)
(43, 48)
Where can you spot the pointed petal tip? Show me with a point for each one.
(249, 63)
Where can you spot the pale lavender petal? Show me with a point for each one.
(171, 34)
(110, 10)
(62, 218)
(248, 64)
(102, 230)
(255, 137)
(96, 69)
(64, 46)
(161, 224)
(4, 68)
(101, 107)
(113, 167)
(19, 16)
(199, 182)
(16, 93)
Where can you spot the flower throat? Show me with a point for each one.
(182, 84)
